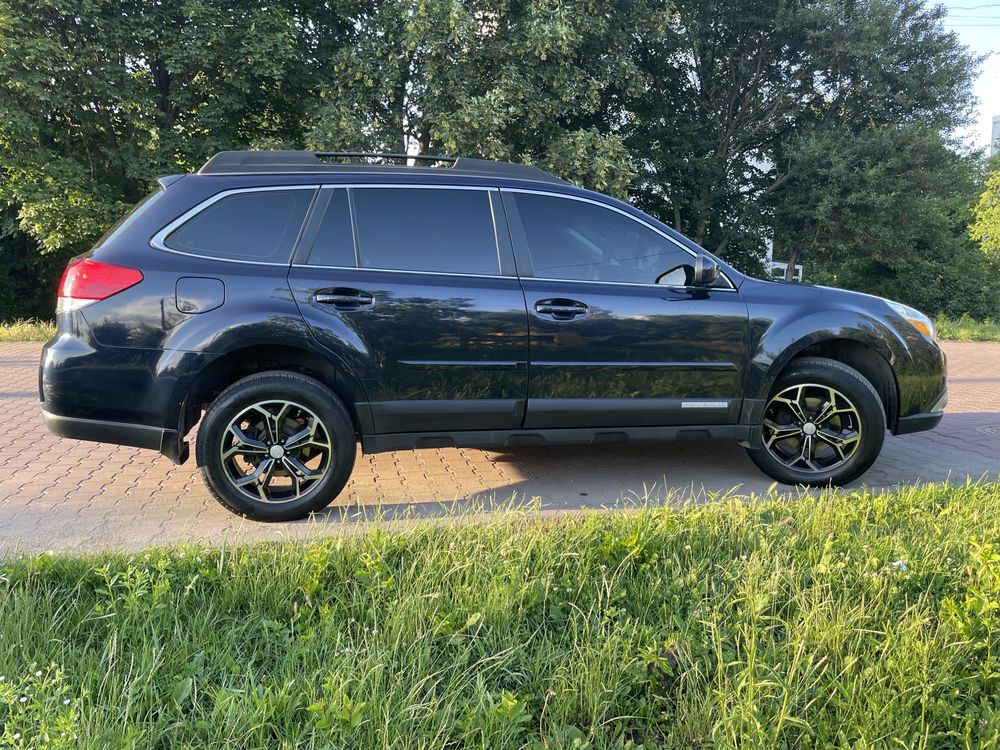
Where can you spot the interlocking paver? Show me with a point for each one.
(76, 496)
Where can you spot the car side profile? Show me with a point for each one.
(292, 304)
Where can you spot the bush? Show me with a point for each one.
(28, 279)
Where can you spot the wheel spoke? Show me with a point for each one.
(780, 431)
(822, 416)
(306, 436)
(264, 468)
(839, 440)
(793, 404)
(808, 450)
(244, 446)
(298, 468)
(825, 412)
(271, 455)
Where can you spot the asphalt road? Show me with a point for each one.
(67, 495)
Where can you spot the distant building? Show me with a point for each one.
(995, 138)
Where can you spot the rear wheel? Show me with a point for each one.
(823, 424)
(276, 446)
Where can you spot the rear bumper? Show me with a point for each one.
(167, 442)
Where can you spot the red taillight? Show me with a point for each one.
(93, 280)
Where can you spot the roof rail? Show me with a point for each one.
(258, 162)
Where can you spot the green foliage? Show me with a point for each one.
(27, 330)
(985, 229)
(28, 279)
(528, 82)
(734, 122)
(849, 619)
(883, 210)
(100, 96)
(966, 328)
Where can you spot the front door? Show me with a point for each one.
(618, 336)
(409, 286)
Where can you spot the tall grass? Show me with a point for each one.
(967, 329)
(855, 620)
(27, 330)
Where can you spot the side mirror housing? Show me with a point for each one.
(706, 270)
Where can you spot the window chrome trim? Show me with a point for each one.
(401, 270)
(631, 283)
(637, 220)
(158, 240)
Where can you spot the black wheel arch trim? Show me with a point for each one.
(796, 337)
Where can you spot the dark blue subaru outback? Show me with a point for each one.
(295, 303)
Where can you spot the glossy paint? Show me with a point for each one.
(433, 352)
(448, 354)
(639, 355)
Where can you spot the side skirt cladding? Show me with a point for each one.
(565, 436)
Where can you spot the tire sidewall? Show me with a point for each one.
(286, 387)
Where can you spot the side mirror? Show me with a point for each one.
(706, 270)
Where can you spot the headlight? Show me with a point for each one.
(914, 317)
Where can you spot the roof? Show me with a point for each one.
(333, 162)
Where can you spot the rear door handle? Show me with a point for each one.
(561, 309)
(344, 299)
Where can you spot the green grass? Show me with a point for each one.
(855, 620)
(967, 329)
(27, 330)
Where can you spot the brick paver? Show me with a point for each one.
(68, 495)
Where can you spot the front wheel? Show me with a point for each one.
(276, 446)
(824, 424)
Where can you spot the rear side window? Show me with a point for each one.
(426, 229)
(260, 225)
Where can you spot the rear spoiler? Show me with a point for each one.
(167, 180)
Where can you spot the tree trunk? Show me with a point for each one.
(793, 259)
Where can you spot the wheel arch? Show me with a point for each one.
(867, 360)
(854, 340)
(228, 368)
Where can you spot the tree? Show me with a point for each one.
(985, 229)
(884, 211)
(536, 82)
(738, 92)
(738, 123)
(97, 97)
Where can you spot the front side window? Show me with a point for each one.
(426, 229)
(259, 225)
(575, 240)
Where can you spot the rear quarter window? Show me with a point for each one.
(131, 216)
(257, 225)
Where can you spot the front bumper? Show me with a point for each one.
(167, 442)
(926, 421)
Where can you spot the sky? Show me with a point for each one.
(977, 23)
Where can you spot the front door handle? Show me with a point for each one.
(344, 299)
(561, 309)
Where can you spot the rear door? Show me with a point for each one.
(415, 289)
(618, 337)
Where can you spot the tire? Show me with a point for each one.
(831, 437)
(276, 446)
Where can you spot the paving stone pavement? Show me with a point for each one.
(67, 495)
